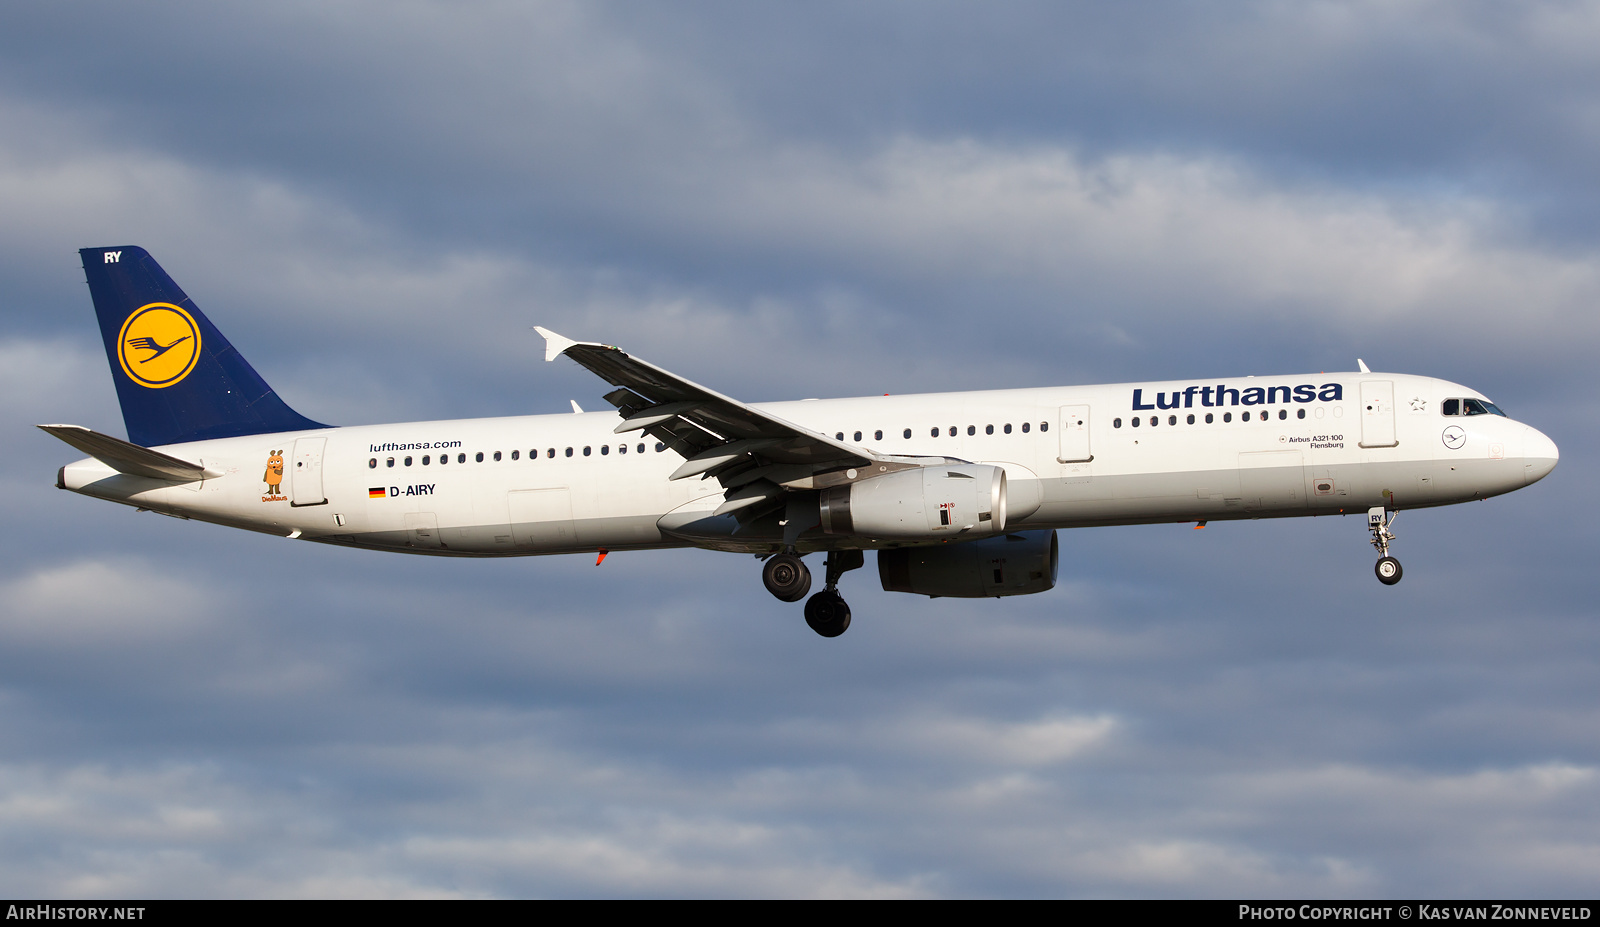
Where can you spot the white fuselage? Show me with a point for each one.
(563, 483)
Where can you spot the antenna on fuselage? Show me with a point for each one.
(1363, 365)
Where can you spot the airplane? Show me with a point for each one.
(959, 494)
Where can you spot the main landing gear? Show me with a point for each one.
(1378, 521)
(787, 578)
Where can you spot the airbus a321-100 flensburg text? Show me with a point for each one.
(960, 494)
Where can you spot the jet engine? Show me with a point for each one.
(929, 502)
(1020, 563)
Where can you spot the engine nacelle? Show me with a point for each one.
(1020, 563)
(929, 502)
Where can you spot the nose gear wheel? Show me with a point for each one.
(1378, 522)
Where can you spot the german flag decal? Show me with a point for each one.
(377, 492)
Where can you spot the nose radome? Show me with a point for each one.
(1539, 455)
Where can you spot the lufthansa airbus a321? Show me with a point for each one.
(959, 494)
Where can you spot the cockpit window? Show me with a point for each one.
(1469, 407)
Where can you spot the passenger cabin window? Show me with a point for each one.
(569, 452)
(408, 461)
(605, 450)
(514, 454)
(1210, 418)
(444, 459)
(391, 461)
(989, 429)
(461, 458)
(425, 460)
(372, 464)
(908, 434)
(1116, 423)
(877, 435)
(1026, 426)
(480, 457)
(1007, 428)
(496, 455)
(857, 437)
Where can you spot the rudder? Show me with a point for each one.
(178, 379)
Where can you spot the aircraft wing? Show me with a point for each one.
(757, 456)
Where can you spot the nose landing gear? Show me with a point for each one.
(1378, 521)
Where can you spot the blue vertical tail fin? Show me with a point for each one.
(177, 377)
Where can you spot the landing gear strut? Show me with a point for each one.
(826, 612)
(1378, 521)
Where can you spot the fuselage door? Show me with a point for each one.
(1377, 413)
(1074, 436)
(305, 481)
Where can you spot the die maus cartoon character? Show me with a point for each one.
(274, 474)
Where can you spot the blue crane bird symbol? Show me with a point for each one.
(150, 344)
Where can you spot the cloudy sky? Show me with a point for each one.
(377, 201)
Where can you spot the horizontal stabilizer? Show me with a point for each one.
(128, 458)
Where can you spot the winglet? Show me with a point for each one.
(1363, 365)
(554, 344)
